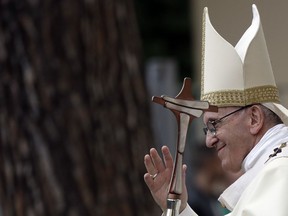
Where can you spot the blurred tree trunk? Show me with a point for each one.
(74, 121)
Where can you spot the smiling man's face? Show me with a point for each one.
(232, 140)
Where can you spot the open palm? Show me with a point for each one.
(158, 177)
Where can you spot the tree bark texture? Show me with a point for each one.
(74, 120)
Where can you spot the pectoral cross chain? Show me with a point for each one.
(276, 151)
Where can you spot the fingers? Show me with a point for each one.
(151, 169)
(153, 184)
(159, 185)
(157, 161)
(184, 193)
(184, 168)
(153, 162)
(167, 157)
(155, 165)
(148, 180)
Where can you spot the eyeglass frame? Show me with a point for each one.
(212, 124)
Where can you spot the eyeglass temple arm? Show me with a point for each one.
(185, 109)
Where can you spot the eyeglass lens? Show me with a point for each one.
(211, 125)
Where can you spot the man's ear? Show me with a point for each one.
(256, 119)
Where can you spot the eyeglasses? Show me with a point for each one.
(211, 125)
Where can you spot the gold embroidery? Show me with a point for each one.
(203, 51)
(260, 94)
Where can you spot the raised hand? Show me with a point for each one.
(158, 176)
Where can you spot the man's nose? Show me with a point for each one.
(211, 140)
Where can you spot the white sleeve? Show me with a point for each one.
(188, 211)
(267, 193)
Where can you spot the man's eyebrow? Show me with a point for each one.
(212, 119)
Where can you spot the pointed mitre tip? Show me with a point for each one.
(256, 15)
(206, 17)
(205, 11)
(255, 10)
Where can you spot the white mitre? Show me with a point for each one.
(240, 75)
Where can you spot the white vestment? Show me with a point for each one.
(263, 188)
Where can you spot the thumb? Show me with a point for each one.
(184, 171)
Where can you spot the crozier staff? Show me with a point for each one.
(249, 131)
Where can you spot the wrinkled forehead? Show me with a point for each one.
(210, 115)
(222, 111)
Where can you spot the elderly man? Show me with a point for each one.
(248, 132)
